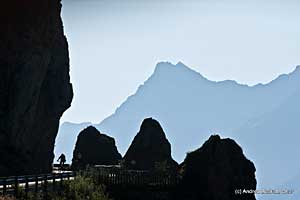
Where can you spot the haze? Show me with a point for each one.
(115, 45)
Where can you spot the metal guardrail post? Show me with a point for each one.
(53, 182)
(26, 187)
(4, 186)
(16, 186)
(61, 181)
(36, 186)
(45, 187)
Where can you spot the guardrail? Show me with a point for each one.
(33, 183)
(109, 176)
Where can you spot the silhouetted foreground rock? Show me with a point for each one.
(150, 149)
(35, 85)
(94, 148)
(215, 171)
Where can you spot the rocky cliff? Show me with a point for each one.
(150, 148)
(94, 148)
(35, 85)
(217, 171)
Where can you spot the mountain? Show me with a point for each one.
(94, 148)
(275, 135)
(190, 108)
(155, 147)
(215, 171)
(35, 86)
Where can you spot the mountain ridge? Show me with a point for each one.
(190, 107)
(161, 65)
(181, 65)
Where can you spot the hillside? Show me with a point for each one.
(191, 107)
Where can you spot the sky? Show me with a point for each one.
(115, 44)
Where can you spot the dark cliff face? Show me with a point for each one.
(35, 85)
(149, 148)
(94, 148)
(216, 170)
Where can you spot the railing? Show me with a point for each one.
(117, 176)
(33, 183)
(110, 176)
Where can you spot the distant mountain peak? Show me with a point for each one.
(179, 69)
(181, 64)
(170, 66)
(163, 66)
(166, 68)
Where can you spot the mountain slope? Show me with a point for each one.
(190, 108)
(185, 102)
(272, 142)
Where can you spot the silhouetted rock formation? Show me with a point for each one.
(94, 148)
(215, 171)
(35, 85)
(150, 148)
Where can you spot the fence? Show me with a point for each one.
(117, 176)
(33, 183)
(110, 176)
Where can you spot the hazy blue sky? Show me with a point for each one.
(115, 44)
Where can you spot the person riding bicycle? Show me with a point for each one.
(62, 159)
